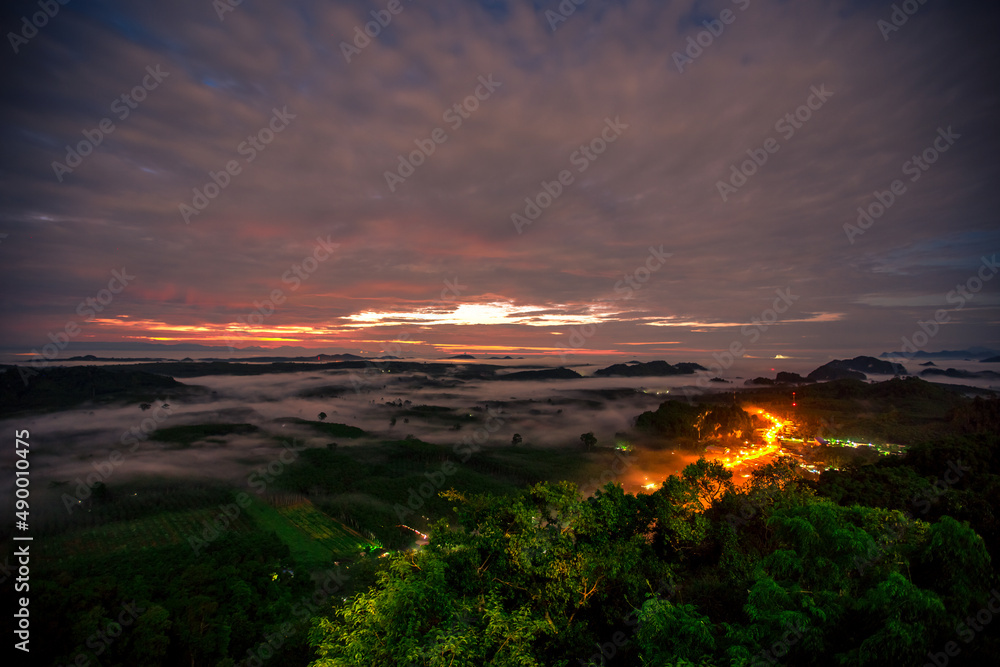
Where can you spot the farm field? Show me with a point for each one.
(309, 551)
(321, 529)
(147, 532)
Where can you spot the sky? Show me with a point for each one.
(647, 179)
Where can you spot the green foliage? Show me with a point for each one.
(530, 579)
(872, 565)
(523, 581)
(979, 416)
(673, 419)
(684, 421)
(668, 633)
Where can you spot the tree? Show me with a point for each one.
(673, 419)
(588, 440)
(322, 416)
(710, 478)
(516, 440)
(523, 580)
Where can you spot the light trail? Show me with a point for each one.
(424, 536)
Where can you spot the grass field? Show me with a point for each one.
(313, 538)
(151, 531)
(320, 528)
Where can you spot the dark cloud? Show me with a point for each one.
(324, 174)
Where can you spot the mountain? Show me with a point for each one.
(782, 378)
(49, 389)
(991, 360)
(650, 369)
(964, 375)
(547, 374)
(462, 356)
(840, 369)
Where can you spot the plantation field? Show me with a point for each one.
(314, 539)
(152, 531)
(338, 538)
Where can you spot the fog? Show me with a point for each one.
(111, 441)
(71, 445)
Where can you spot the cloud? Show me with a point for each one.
(324, 174)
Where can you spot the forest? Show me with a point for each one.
(891, 564)
(887, 560)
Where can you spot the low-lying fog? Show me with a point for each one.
(550, 413)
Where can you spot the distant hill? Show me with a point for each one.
(782, 378)
(462, 356)
(856, 368)
(90, 357)
(789, 378)
(546, 374)
(896, 391)
(59, 388)
(991, 360)
(960, 374)
(970, 353)
(650, 369)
